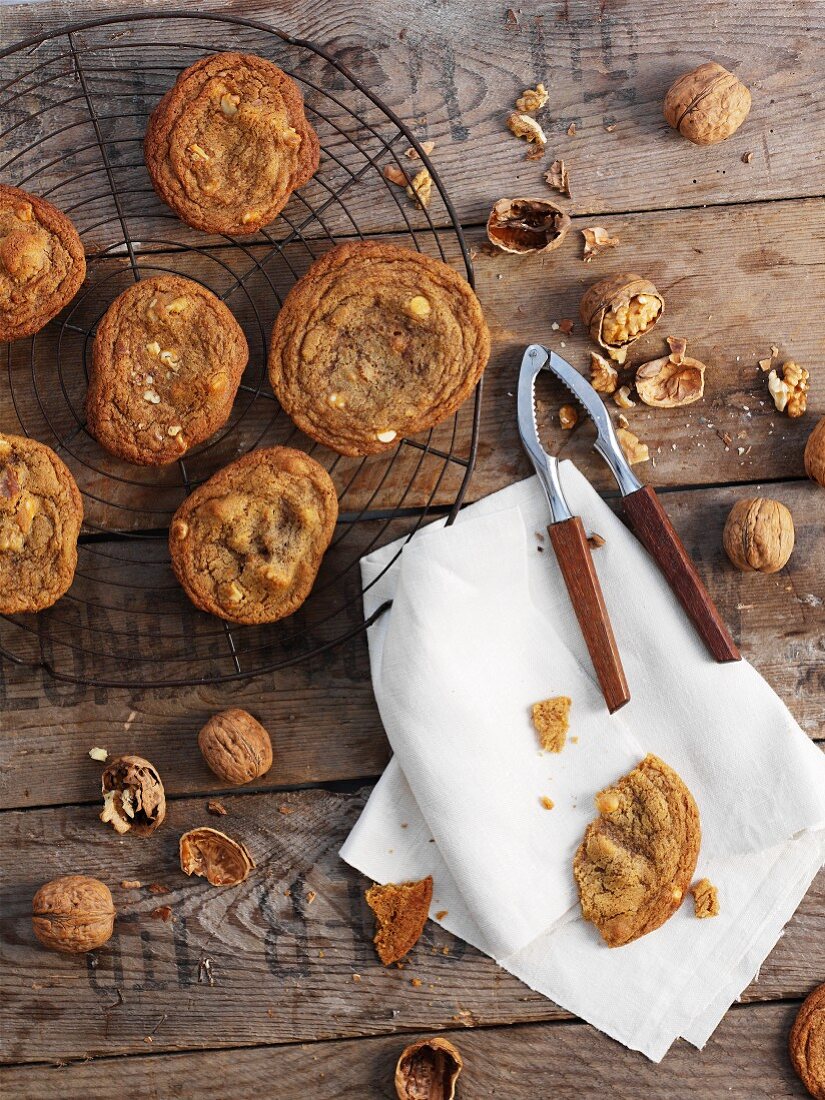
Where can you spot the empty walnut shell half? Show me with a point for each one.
(527, 225)
(759, 535)
(707, 105)
(428, 1070)
(74, 914)
(619, 309)
(236, 747)
(214, 856)
(815, 454)
(133, 797)
(672, 381)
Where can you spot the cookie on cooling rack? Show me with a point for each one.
(40, 516)
(247, 544)
(229, 143)
(167, 361)
(42, 263)
(376, 342)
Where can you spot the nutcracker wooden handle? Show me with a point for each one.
(656, 533)
(576, 564)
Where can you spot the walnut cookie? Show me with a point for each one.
(806, 1043)
(167, 361)
(229, 143)
(247, 544)
(42, 263)
(41, 512)
(637, 859)
(376, 342)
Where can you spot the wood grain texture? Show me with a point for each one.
(283, 946)
(657, 534)
(573, 555)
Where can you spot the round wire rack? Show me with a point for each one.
(75, 106)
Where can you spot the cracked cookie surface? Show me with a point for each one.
(229, 143)
(41, 511)
(376, 342)
(247, 544)
(637, 859)
(42, 263)
(806, 1043)
(167, 361)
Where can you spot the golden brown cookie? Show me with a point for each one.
(637, 859)
(376, 342)
(400, 915)
(229, 143)
(247, 544)
(42, 263)
(40, 516)
(806, 1043)
(167, 361)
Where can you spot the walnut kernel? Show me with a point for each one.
(568, 417)
(74, 914)
(815, 453)
(635, 451)
(525, 127)
(428, 1070)
(532, 99)
(420, 188)
(707, 104)
(236, 747)
(622, 398)
(214, 856)
(527, 225)
(759, 535)
(618, 310)
(133, 796)
(604, 378)
(672, 381)
(790, 391)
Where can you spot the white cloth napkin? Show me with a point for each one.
(481, 627)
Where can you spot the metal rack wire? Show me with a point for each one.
(76, 102)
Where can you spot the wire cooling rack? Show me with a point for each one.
(75, 106)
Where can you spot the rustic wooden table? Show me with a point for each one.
(300, 1005)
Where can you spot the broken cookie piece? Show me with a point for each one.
(705, 899)
(637, 858)
(551, 721)
(400, 915)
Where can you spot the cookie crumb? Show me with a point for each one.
(551, 722)
(548, 803)
(441, 914)
(416, 982)
(400, 915)
(101, 755)
(705, 899)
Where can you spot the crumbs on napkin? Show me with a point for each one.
(705, 899)
(548, 803)
(551, 721)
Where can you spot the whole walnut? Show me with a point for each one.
(73, 914)
(236, 747)
(133, 796)
(759, 535)
(707, 105)
(815, 453)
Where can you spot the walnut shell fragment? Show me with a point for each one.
(673, 381)
(133, 796)
(759, 535)
(619, 309)
(73, 914)
(400, 915)
(558, 177)
(527, 225)
(236, 747)
(815, 454)
(707, 104)
(596, 241)
(214, 856)
(428, 1070)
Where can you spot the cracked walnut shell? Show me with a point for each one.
(619, 309)
(759, 535)
(74, 914)
(133, 796)
(527, 225)
(214, 856)
(428, 1070)
(673, 381)
(707, 104)
(236, 747)
(815, 453)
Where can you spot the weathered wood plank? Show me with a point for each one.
(745, 1060)
(454, 71)
(333, 731)
(283, 963)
